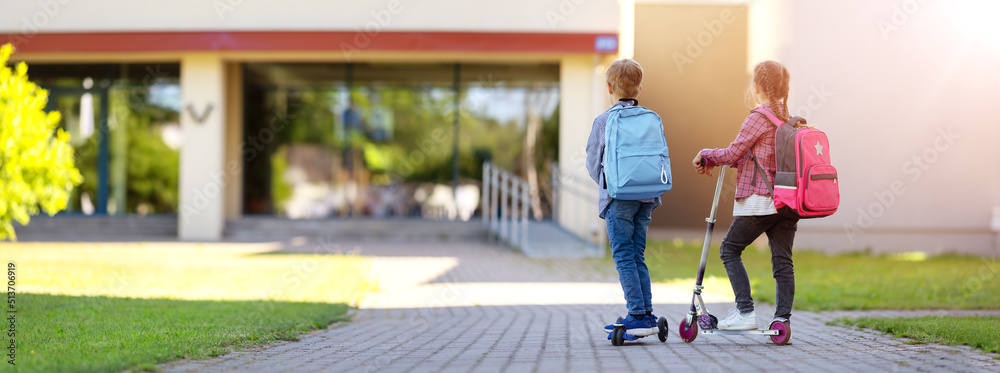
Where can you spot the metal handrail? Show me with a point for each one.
(505, 211)
(506, 204)
(581, 188)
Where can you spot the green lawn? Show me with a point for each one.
(108, 307)
(101, 334)
(845, 282)
(978, 332)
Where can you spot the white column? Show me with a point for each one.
(202, 178)
(580, 79)
(770, 33)
(626, 28)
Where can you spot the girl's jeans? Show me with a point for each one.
(780, 234)
(627, 224)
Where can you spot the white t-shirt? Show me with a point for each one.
(754, 205)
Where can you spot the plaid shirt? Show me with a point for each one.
(756, 135)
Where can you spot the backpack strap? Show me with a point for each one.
(770, 116)
(760, 170)
(757, 169)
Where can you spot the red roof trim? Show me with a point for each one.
(312, 41)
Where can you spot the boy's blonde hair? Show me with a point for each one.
(625, 76)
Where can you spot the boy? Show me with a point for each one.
(627, 220)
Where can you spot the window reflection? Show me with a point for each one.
(139, 105)
(377, 139)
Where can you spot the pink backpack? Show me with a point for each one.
(806, 183)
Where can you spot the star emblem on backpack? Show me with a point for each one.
(819, 148)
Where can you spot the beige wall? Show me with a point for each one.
(886, 79)
(697, 88)
(582, 98)
(310, 15)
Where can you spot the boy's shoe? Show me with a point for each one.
(611, 327)
(652, 317)
(636, 327)
(739, 321)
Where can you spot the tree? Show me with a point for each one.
(37, 170)
(535, 100)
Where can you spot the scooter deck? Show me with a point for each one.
(643, 332)
(740, 332)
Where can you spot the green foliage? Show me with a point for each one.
(152, 171)
(37, 170)
(151, 166)
(978, 332)
(850, 281)
(280, 189)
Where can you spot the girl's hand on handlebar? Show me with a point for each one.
(699, 166)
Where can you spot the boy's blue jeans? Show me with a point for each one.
(628, 222)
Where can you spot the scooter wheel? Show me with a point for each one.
(688, 331)
(784, 332)
(662, 324)
(618, 337)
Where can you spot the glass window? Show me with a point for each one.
(510, 116)
(137, 106)
(378, 139)
(359, 137)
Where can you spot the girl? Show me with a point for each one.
(754, 211)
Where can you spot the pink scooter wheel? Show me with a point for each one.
(784, 332)
(688, 332)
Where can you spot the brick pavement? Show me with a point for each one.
(479, 308)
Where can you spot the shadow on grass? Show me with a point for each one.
(102, 334)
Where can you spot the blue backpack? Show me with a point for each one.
(636, 162)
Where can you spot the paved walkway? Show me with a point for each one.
(462, 307)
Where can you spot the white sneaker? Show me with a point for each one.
(738, 321)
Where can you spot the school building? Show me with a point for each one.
(213, 112)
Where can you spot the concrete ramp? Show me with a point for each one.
(547, 239)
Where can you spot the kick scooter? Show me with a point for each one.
(779, 331)
(619, 335)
